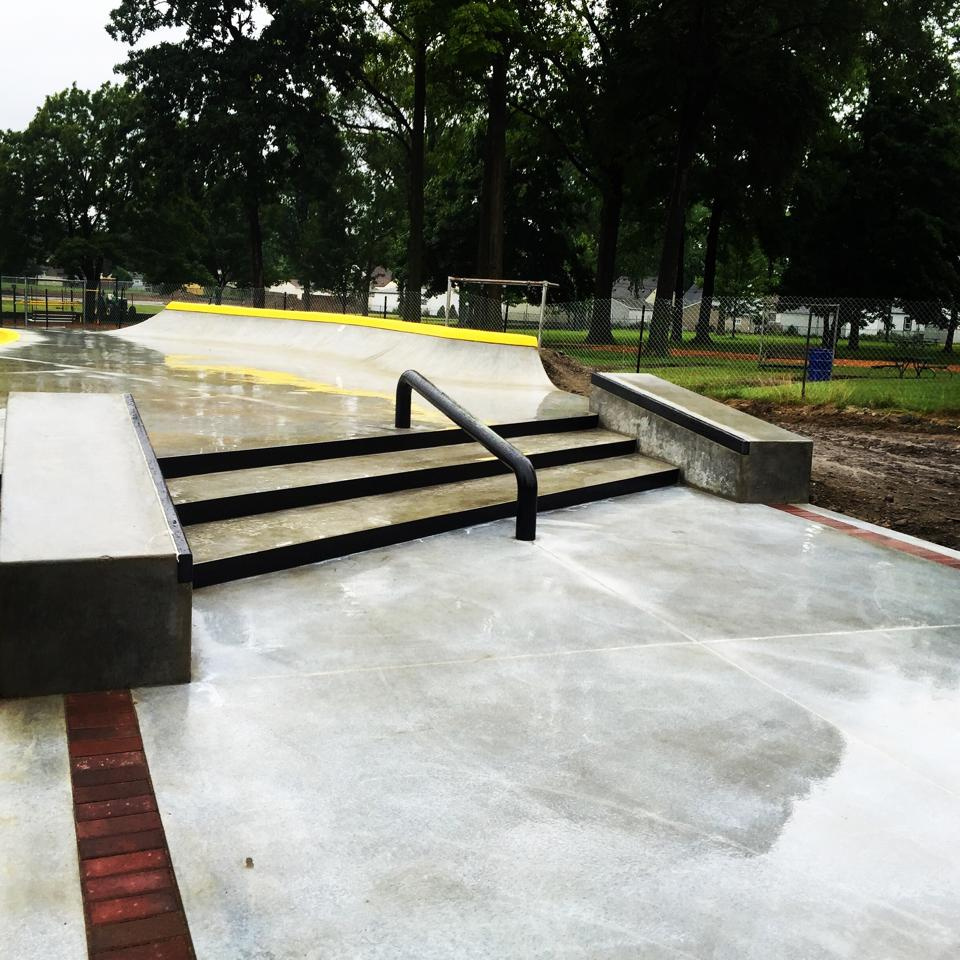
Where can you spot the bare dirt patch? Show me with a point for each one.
(565, 372)
(899, 471)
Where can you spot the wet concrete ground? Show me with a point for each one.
(672, 727)
(206, 396)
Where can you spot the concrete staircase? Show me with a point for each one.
(253, 512)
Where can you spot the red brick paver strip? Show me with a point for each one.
(131, 902)
(871, 536)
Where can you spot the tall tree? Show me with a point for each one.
(18, 236)
(231, 88)
(713, 47)
(75, 159)
(591, 81)
(402, 40)
(877, 210)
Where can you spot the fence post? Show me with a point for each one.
(384, 306)
(543, 312)
(806, 356)
(284, 299)
(46, 308)
(643, 322)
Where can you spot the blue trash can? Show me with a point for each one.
(820, 365)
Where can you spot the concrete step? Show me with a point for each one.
(239, 493)
(194, 464)
(248, 546)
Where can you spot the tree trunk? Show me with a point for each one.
(91, 271)
(492, 200)
(673, 229)
(849, 314)
(826, 334)
(692, 110)
(257, 277)
(680, 288)
(610, 214)
(702, 338)
(410, 307)
(952, 327)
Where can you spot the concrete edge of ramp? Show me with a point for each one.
(719, 449)
(95, 574)
(449, 354)
(356, 320)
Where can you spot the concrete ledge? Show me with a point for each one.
(95, 573)
(718, 449)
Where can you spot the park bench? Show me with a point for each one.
(46, 317)
(918, 363)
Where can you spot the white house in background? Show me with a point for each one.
(291, 288)
(436, 306)
(901, 325)
(386, 298)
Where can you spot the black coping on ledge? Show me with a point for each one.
(184, 555)
(680, 417)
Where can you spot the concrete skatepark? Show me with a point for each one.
(681, 723)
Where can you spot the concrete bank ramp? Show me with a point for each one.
(447, 354)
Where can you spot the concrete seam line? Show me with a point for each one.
(878, 539)
(131, 901)
(351, 320)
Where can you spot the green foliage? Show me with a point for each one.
(877, 209)
(18, 241)
(229, 102)
(282, 140)
(75, 176)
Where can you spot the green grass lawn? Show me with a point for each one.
(934, 392)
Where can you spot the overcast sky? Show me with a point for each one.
(46, 46)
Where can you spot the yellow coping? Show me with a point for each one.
(352, 320)
(8, 336)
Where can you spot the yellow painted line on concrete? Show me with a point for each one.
(352, 320)
(278, 378)
(8, 336)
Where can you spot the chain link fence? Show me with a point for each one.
(842, 351)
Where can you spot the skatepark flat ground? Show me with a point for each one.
(673, 726)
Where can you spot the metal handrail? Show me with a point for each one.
(506, 452)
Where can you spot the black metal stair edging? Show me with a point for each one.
(291, 498)
(211, 572)
(224, 461)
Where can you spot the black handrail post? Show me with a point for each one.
(402, 416)
(502, 449)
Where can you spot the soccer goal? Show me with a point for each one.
(486, 284)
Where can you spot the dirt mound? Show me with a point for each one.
(565, 372)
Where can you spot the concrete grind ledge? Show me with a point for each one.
(717, 448)
(95, 574)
